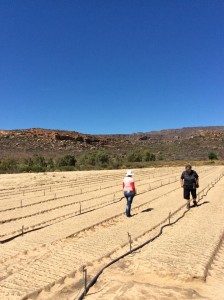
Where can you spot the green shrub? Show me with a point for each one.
(212, 156)
(21, 168)
(8, 165)
(149, 156)
(37, 169)
(135, 156)
(102, 158)
(67, 160)
(97, 159)
(39, 161)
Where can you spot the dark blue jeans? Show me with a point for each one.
(129, 196)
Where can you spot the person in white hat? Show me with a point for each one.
(129, 191)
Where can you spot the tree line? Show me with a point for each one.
(99, 159)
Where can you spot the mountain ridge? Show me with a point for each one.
(168, 144)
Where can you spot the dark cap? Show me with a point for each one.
(188, 167)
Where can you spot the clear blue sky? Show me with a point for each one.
(111, 66)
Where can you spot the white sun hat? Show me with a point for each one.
(129, 173)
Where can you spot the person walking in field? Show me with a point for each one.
(129, 191)
(189, 181)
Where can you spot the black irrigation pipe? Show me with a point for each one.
(72, 203)
(75, 214)
(116, 216)
(68, 196)
(94, 280)
(38, 228)
(55, 186)
(211, 185)
(60, 188)
(57, 198)
(41, 227)
(20, 234)
(208, 188)
(27, 189)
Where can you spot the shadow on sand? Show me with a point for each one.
(147, 210)
(200, 204)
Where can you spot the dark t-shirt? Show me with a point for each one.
(189, 179)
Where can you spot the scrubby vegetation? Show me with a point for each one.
(98, 159)
(212, 156)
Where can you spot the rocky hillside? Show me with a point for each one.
(175, 144)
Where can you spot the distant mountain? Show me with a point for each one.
(193, 143)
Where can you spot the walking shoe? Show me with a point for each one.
(195, 203)
(188, 206)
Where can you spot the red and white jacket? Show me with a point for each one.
(128, 184)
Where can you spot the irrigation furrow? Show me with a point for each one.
(87, 189)
(102, 241)
(46, 220)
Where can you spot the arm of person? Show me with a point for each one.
(197, 181)
(181, 182)
(133, 187)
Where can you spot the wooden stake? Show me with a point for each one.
(130, 241)
(84, 270)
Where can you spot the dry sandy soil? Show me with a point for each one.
(53, 224)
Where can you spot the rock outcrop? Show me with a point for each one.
(185, 143)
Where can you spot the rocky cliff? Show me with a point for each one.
(185, 143)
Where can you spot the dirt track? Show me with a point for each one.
(41, 258)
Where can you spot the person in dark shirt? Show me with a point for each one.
(189, 181)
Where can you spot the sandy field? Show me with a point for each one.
(54, 224)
